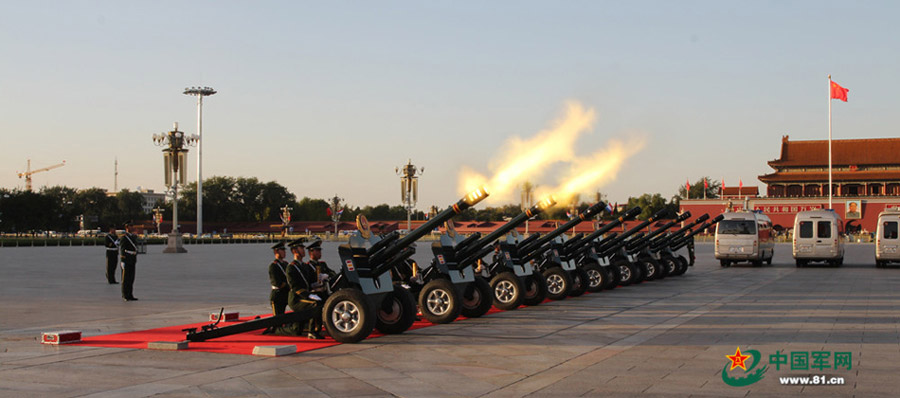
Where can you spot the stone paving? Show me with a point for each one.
(661, 338)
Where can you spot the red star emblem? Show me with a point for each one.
(737, 360)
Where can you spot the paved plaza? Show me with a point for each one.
(662, 338)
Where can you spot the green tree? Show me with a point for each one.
(651, 204)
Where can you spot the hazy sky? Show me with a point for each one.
(328, 97)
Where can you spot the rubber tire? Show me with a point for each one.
(649, 268)
(513, 286)
(725, 263)
(579, 282)
(597, 277)
(535, 289)
(477, 298)
(801, 263)
(444, 288)
(662, 269)
(613, 277)
(670, 266)
(365, 315)
(626, 275)
(402, 306)
(682, 265)
(564, 285)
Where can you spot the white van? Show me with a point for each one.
(887, 239)
(744, 236)
(818, 237)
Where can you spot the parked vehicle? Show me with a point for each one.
(744, 236)
(817, 237)
(887, 240)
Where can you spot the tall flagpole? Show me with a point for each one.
(829, 143)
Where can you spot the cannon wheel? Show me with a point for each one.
(476, 300)
(439, 301)
(579, 282)
(397, 312)
(682, 265)
(348, 316)
(649, 268)
(615, 276)
(626, 272)
(665, 267)
(558, 283)
(596, 276)
(508, 291)
(535, 289)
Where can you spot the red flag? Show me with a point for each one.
(722, 187)
(740, 185)
(328, 211)
(838, 92)
(687, 185)
(705, 183)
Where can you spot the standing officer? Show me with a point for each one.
(278, 277)
(301, 277)
(129, 260)
(112, 254)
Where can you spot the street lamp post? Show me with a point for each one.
(199, 92)
(285, 219)
(157, 218)
(336, 212)
(409, 189)
(175, 170)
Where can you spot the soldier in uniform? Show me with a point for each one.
(129, 260)
(301, 277)
(112, 255)
(278, 278)
(321, 270)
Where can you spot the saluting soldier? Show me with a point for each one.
(112, 255)
(278, 278)
(129, 261)
(301, 277)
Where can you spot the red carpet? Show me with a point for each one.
(235, 344)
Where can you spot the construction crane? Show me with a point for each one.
(28, 172)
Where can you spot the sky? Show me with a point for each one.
(327, 98)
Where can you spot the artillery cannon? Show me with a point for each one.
(638, 248)
(688, 241)
(659, 248)
(631, 269)
(601, 275)
(554, 258)
(364, 293)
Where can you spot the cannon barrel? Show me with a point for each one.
(661, 241)
(584, 243)
(621, 238)
(684, 240)
(389, 250)
(639, 244)
(587, 213)
(515, 222)
(477, 250)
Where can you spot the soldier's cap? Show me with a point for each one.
(316, 244)
(127, 224)
(299, 242)
(278, 246)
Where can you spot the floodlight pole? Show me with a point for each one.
(199, 92)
